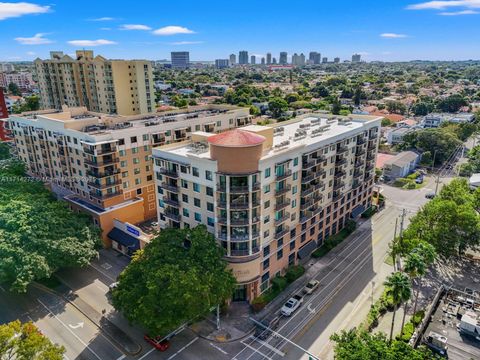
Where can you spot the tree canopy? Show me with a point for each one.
(25, 342)
(355, 344)
(38, 234)
(177, 277)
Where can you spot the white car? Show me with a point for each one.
(290, 306)
(311, 287)
(112, 286)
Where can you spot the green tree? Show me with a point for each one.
(290, 98)
(452, 103)
(358, 96)
(336, 106)
(14, 89)
(386, 122)
(396, 107)
(356, 344)
(38, 234)
(422, 108)
(25, 342)
(254, 110)
(177, 277)
(399, 289)
(277, 106)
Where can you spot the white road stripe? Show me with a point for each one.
(122, 357)
(276, 351)
(219, 349)
(102, 272)
(66, 327)
(146, 354)
(255, 351)
(183, 348)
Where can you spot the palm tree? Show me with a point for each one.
(428, 254)
(415, 266)
(399, 288)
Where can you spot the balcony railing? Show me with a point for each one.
(171, 202)
(99, 151)
(306, 205)
(172, 216)
(98, 174)
(255, 250)
(373, 136)
(360, 152)
(102, 163)
(169, 173)
(340, 173)
(307, 179)
(340, 162)
(361, 141)
(104, 196)
(282, 232)
(372, 144)
(237, 237)
(338, 185)
(282, 219)
(341, 149)
(169, 187)
(283, 175)
(308, 164)
(320, 173)
(307, 191)
(283, 190)
(282, 204)
(104, 185)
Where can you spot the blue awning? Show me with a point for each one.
(357, 211)
(306, 250)
(124, 239)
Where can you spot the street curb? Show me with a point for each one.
(247, 334)
(112, 339)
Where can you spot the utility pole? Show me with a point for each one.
(404, 213)
(436, 186)
(218, 317)
(394, 252)
(433, 161)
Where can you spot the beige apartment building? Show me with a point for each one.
(101, 164)
(123, 87)
(269, 194)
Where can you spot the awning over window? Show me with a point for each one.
(357, 211)
(306, 250)
(132, 243)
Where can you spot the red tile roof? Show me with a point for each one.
(236, 138)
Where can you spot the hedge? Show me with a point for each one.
(334, 240)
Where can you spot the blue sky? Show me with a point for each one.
(378, 29)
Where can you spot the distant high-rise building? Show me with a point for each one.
(356, 58)
(274, 61)
(253, 60)
(336, 60)
(314, 57)
(283, 58)
(221, 63)
(243, 57)
(263, 61)
(180, 60)
(269, 58)
(298, 60)
(233, 59)
(324, 60)
(7, 67)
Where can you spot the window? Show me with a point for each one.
(195, 172)
(136, 171)
(210, 207)
(210, 221)
(133, 139)
(134, 150)
(209, 191)
(122, 152)
(136, 160)
(267, 204)
(126, 184)
(279, 254)
(196, 202)
(292, 245)
(186, 213)
(295, 161)
(145, 147)
(295, 175)
(196, 187)
(266, 233)
(123, 163)
(145, 137)
(266, 251)
(266, 189)
(266, 264)
(198, 217)
(294, 189)
(138, 181)
(185, 198)
(184, 184)
(183, 169)
(267, 172)
(124, 174)
(197, 127)
(294, 203)
(279, 243)
(266, 219)
(208, 175)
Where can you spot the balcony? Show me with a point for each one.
(357, 173)
(105, 196)
(282, 204)
(105, 185)
(370, 156)
(320, 159)
(340, 173)
(372, 144)
(320, 173)
(171, 188)
(102, 163)
(341, 162)
(99, 151)
(307, 191)
(237, 237)
(317, 198)
(360, 152)
(306, 204)
(97, 174)
(239, 221)
(359, 163)
(337, 195)
(239, 189)
(282, 232)
(281, 220)
(338, 185)
(171, 202)
(283, 175)
(255, 250)
(307, 179)
(342, 149)
(356, 184)
(169, 173)
(361, 141)
(308, 164)
(369, 167)
(172, 216)
(283, 190)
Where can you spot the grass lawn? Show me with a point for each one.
(388, 260)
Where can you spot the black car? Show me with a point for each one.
(270, 323)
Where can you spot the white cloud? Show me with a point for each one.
(186, 42)
(105, 28)
(91, 42)
(31, 53)
(105, 18)
(37, 39)
(11, 10)
(457, 13)
(445, 4)
(392, 36)
(135, 27)
(172, 30)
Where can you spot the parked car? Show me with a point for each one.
(112, 286)
(290, 306)
(430, 195)
(157, 342)
(311, 287)
(298, 297)
(419, 179)
(270, 323)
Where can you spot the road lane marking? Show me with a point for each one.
(102, 272)
(146, 354)
(219, 349)
(79, 325)
(66, 327)
(183, 348)
(276, 351)
(122, 357)
(254, 351)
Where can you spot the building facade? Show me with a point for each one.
(253, 60)
(101, 164)
(356, 58)
(23, 80)
(222, 63)
(180, 60)
(233, 59)
(123, 87)
(269, 194)
(314, 57)
(243, 57)
(282, 60)
(269, 58)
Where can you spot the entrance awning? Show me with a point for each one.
(357, 211)
(306, 250)
(132, 243)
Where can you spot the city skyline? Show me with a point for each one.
(427, 30)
